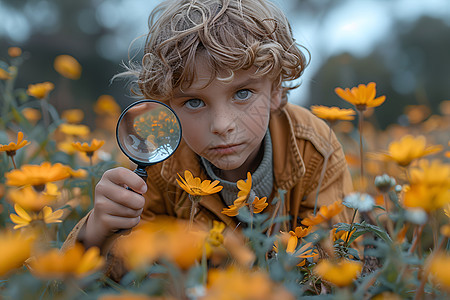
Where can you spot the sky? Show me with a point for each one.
(355, 26)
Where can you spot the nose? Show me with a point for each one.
(222, 121)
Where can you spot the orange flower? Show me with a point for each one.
(36, 175)
(4, 75)
(12, 147)
(438, 266)
(14, 51)
(258, 205)
(162, 238)
(89, 149)
(29, 199)
(305, 251)
(197, 187)
(429, 186)
(244, 186)
(106, 105)
(407, 149)
(75, 129)
(15, 248)
(67, 66)
(242, 284)
(332, 114)
(340, 273)
(73, 116)
(362, 96)
(31, 114)
(40, 90)
(74, 262)
(325, 214)
(233, 210)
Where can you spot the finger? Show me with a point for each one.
(123, 176)
(117, 209)
(106, 192)
(117, 223)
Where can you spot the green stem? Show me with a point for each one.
(14, 163)
(194, 200)
(361, 151)
(351, 227)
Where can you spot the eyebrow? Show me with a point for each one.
(179, 93)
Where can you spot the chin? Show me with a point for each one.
(227, 164)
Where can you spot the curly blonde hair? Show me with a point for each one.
(230, 34)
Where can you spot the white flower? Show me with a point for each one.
(362, 202)
(416, 216)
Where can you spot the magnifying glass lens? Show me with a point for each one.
(148, 132)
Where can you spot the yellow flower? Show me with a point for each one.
(233, 210)
(406, 150)
(242, 284)
(23, 219)
(80, 173)
(244, 186)
(438, 267)
(132, 296)
(305, 251)
(106, 105)
(4, 75)
(89, 149)
(73, 116)
(31, 114)
(362, 96)
(29, 199)
(447, 210)
(74, 262)
(332, 114)
(40, 90)
(197, 187)
(429, 186)
(387, 296)
(445, 230)
(15, 248)
(341, 235)
(324, 214)
(37, 175)
(75, 129)
(258, 205)
(341, 273)
(162, 237)
(67, 66)
(215, 237)
(14, 51)
(12, 147)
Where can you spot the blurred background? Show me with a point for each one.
(402, 45)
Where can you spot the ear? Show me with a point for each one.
(276, 97)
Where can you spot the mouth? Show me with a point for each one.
(225, 149)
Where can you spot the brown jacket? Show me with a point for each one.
(300, 142)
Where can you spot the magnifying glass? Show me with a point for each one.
(148, 132)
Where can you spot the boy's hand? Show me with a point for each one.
(115, 206)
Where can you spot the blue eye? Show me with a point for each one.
(194, 103)
(243, 95)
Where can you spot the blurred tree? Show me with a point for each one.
(410, 67)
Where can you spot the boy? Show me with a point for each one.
(221, 65)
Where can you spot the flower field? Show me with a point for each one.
(396, 246)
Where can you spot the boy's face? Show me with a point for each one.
(225, 122)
